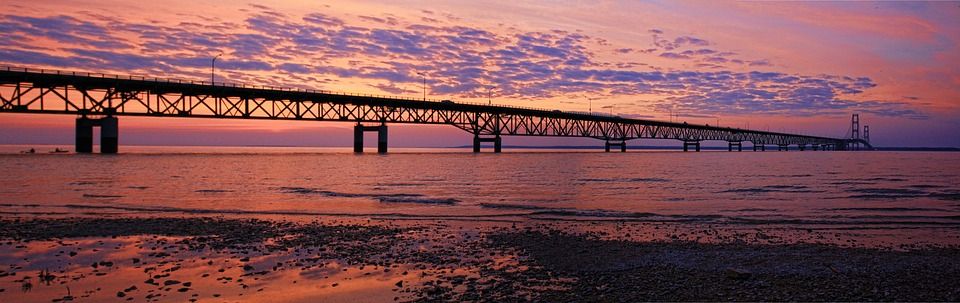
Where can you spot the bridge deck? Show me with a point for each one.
(57, 92)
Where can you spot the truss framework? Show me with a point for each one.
(90, 95)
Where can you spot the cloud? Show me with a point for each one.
(457, 60)
(670, 55)
(687, 40)
(698, 52)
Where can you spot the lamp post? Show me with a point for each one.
(489, 99)
(590, 104)
(424, 76)
(212, 65)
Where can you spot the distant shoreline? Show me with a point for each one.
(566, 147)
(944, 149)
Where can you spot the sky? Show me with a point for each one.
(801, 67)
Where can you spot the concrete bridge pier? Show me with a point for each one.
(109, 134)
(738, 144)
(382, 139)
(84, 138)
(358, 131)
(687, 144)
(802, 147)
(759, 146)
(815, 147)
(783, 147)
(497, 143)
(622, 144)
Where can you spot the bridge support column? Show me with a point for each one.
(687, 144)
(738, 144)
(476, 143)
(84, 138)
(815, 147)
(802, 147)
(358, 138)
(382, 139)
(358, 131)
(783, 147)
(760, 147)
(622, 144)
(109, 133)
(497, 143)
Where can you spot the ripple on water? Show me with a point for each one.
(774, 188)
(385, 198)
(886, 193)
(213, 191)
(652, 180)
(892, 209)
(97, 196)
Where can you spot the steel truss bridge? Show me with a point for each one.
(97, 100)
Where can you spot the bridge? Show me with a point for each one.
(98, 99)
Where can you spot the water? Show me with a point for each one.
(840, 189)
(121, 226)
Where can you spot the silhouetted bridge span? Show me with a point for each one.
(98, 99)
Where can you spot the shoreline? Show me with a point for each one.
(402, 260)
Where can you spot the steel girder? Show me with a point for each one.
(46, 93)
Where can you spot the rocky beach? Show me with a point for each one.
(227, 259)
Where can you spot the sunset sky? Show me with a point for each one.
(784, 66)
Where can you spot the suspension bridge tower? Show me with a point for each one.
(855, 131)
(866, 133)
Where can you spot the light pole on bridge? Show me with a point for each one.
(489, 99)
(424, 76)
(590, 104)
(212, 66)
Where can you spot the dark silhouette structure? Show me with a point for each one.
(98, 100)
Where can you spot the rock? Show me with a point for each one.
(399, 284)
(121, 294)
(738, 273)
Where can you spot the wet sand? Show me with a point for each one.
(228, 259)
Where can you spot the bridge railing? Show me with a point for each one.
(268, 87)
(478, 104)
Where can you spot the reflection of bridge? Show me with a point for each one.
(98, 99)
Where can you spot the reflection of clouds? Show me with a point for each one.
(47, 254)
(457, 60)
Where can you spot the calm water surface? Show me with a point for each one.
(895, 200)
(906, 189)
